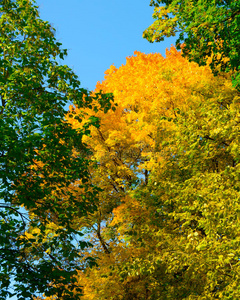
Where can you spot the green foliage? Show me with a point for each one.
(37, 165)
(207, 28)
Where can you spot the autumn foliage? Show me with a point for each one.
(166, 159)
(133, 193)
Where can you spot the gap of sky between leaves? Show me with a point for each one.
(98, 33)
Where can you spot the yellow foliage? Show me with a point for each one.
(158, 157)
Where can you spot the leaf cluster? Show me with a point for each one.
(203, 28)
(38, 168)
(167, 165)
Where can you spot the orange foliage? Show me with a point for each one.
(129, 149)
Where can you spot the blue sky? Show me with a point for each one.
(99, 33)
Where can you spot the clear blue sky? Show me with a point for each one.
(99, 33)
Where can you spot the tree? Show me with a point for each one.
(206, 29)
(38, 167)
(167, 221)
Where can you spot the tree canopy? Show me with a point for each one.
(167, 222)
(37, 157)
(132, 192)
(206, 29)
